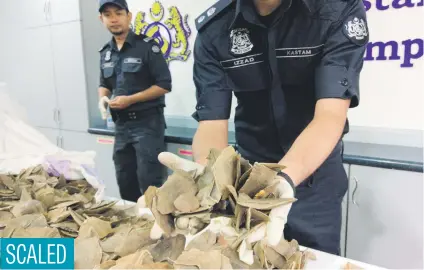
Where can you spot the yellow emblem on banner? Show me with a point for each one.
(171, 34)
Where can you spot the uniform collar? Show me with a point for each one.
(129, 40)
(246, 9)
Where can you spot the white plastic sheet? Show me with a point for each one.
(23, 146)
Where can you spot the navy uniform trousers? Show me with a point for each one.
(137, 146)
(315, 218)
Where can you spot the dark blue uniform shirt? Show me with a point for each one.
(136, 67)
(309, 50)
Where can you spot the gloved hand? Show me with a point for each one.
(103, 102)
(156, 232)
(173, 162)
(273, 231)
(278, 215)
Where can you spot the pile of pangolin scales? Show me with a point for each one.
(110, 236)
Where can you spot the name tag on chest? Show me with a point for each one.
(243, 61)
(298, 52)
(131, 60)
(108, 65)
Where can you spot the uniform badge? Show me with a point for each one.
(356, 30)
(211, 11)
(155, 49)
(240, 41)
(201, 19)
(107, 56)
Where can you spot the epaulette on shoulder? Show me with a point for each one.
(103, 47)
(144, 38)
(332, 9)
(140, 36)
(211, 12)
(147, 39)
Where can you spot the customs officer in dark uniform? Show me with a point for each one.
(294, 67)
(136, 75)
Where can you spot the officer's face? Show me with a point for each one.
(116, 20)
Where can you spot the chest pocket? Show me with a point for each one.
(297, 65)
(132, 65)
(248, 73)
(108, 69)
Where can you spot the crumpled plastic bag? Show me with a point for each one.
(22, 146)
(74, 166)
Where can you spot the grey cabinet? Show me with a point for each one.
(69, 73)
(385, 217)
(38, 13)
(77, 141)
(32, 13)
(45, 69)
(32, 81)
(52, 134)
(62, 11)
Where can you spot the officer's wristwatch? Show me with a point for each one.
(288, 179)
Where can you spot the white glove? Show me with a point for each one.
(103, 102)
(143, 211)
(175, 162)
(273, 231)
(172, 162)
(278, 215)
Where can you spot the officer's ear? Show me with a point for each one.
(129, 16)
(101, 17)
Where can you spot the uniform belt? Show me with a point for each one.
(124, 116)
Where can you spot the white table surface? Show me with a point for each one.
(323, 260)
(329, 261)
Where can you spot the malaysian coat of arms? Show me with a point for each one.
(240, 41)
(171, 34)
(357, 29)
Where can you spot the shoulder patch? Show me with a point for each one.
(356, 30)
(211, 12)
(103, 47)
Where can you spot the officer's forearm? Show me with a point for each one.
(104, 92)
(317, 140)
(209, 134)
(148, 94)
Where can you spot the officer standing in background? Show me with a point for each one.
(294, 66)
(135, 73)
